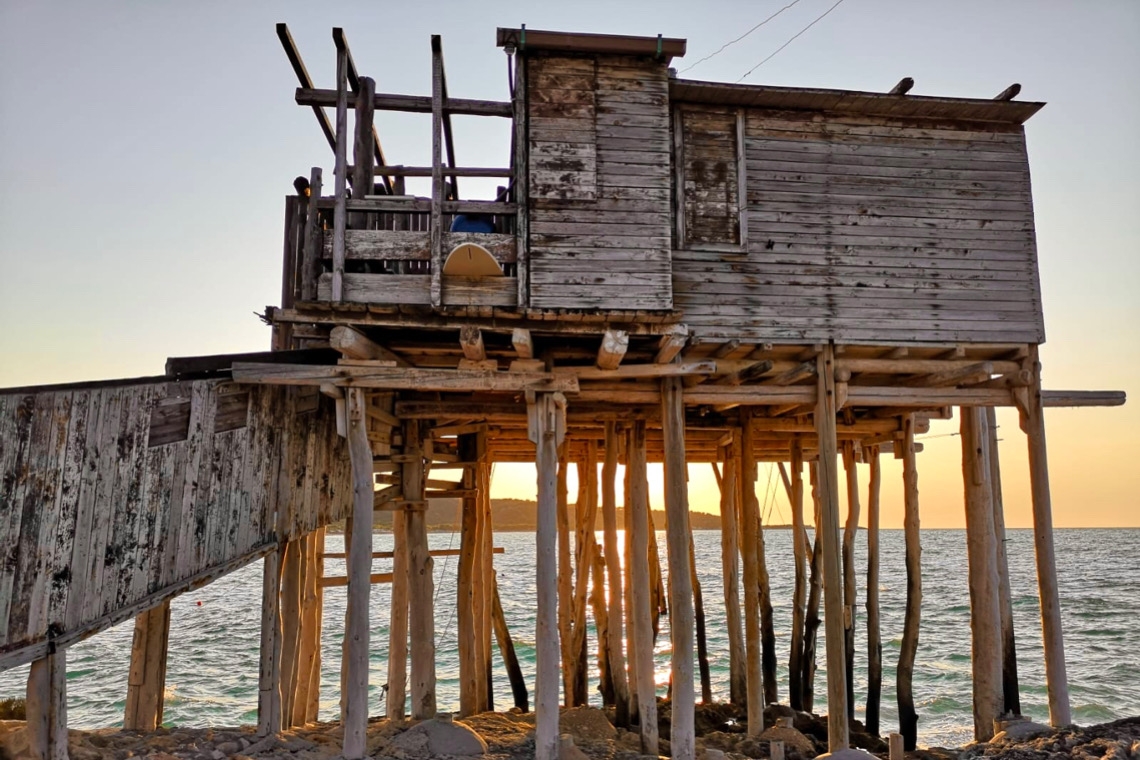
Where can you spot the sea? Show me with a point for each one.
(213, 654)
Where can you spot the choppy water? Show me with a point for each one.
(212, 664)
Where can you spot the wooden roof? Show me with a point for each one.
(852, 102)
(574, 42)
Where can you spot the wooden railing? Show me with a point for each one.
(380, 245)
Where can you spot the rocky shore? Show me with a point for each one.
(587, 734)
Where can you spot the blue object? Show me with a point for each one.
(472, 223)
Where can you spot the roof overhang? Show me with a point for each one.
(523, 39)
(851, 102)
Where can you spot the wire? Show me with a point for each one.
(738, 39)
(789, 42)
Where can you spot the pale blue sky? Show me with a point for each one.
(145, 149)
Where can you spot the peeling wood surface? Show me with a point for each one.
(104, 507)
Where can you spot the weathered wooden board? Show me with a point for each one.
(599, 226)
(105, 513)
(860, 228)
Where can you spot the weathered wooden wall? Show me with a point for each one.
(856, 228)
(599, 182)
(118, 495)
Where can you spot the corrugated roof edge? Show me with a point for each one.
(852, 101)
(665, 48)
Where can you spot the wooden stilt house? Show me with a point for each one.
(673, 271)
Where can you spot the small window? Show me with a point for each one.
(710, 179)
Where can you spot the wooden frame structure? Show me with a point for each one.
(691, 272)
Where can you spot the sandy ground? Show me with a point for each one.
(510, 736)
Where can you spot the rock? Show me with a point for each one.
(772, 712)
(714, 754)
(228, 748)
(1020, 731)
(586, 724)
(568, 751)
(792, 739)
(435, 737)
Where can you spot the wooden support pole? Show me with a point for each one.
(1011, 694)
(313, 239)
(874, 638)
(291, 583)
(657, 597)
(546, 414)
(362, 147)
(749, 543)
(985, 612)
(565, 581)
(1033, 424)
(47, 707)
(359, 580)
(585, 545)
(396, 704)
(436, 174)
(507, 650)
(828, 474)
(465, 604)
(421, 586)
(315, 613)
(269, 669)
(730, 558)
(702, 637)
(850, 531)
(598, 604)
(815, 591)
(340, 216)
(678, 535)
(487, 581)
(615, 618)
(612, 349)
(908, 719)
(641, 651)
(146, 680)
(799, 590)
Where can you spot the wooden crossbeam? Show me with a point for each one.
(332, 581)
(523, 343)
(356, 345)
(671, 344)
(639, 371)
(306, 82)
(747, 374)
(402, 378)
(308, 96)
(612, 350)
(341, 43)
(391, 555)
(970, 374)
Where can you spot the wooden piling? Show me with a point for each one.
(641, 652)
(291, 590)
(397, 696)
(507, 650)
(702, 638)
(632, 637)
(487, 580)
(749, 542)
(146, 679)
(546, 429)
(465, 583)
(850, 531)
(269, 668)
(815, 591)
(828, 474)
(799, 591)
(421, 585)
(615, 619)
(565, 581)
(585, 546)
(315, 614)
(46, 706)
(730, 563)
(908, 719)
(602, 629)
(985, 613)
(678, 535)
(1011, 696)
(874, 640)
(1033, 424)
(356, 634)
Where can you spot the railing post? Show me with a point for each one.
(436, 171)
(340, 211)
(314, 240)
(521, 182)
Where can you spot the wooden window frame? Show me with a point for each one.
(679, 188)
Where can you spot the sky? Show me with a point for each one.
(146, 148)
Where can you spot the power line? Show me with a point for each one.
(738, 39)
(789, 42)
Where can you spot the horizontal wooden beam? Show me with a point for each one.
(402, 378)
(919, 366)
(1083, 398)
(332, 581)
(406, 205)
(447, 171)
(410, 103)
(639, 371)
(391, 555)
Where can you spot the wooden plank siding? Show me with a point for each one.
(867, 229)
(599, 181)
(103, 508)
